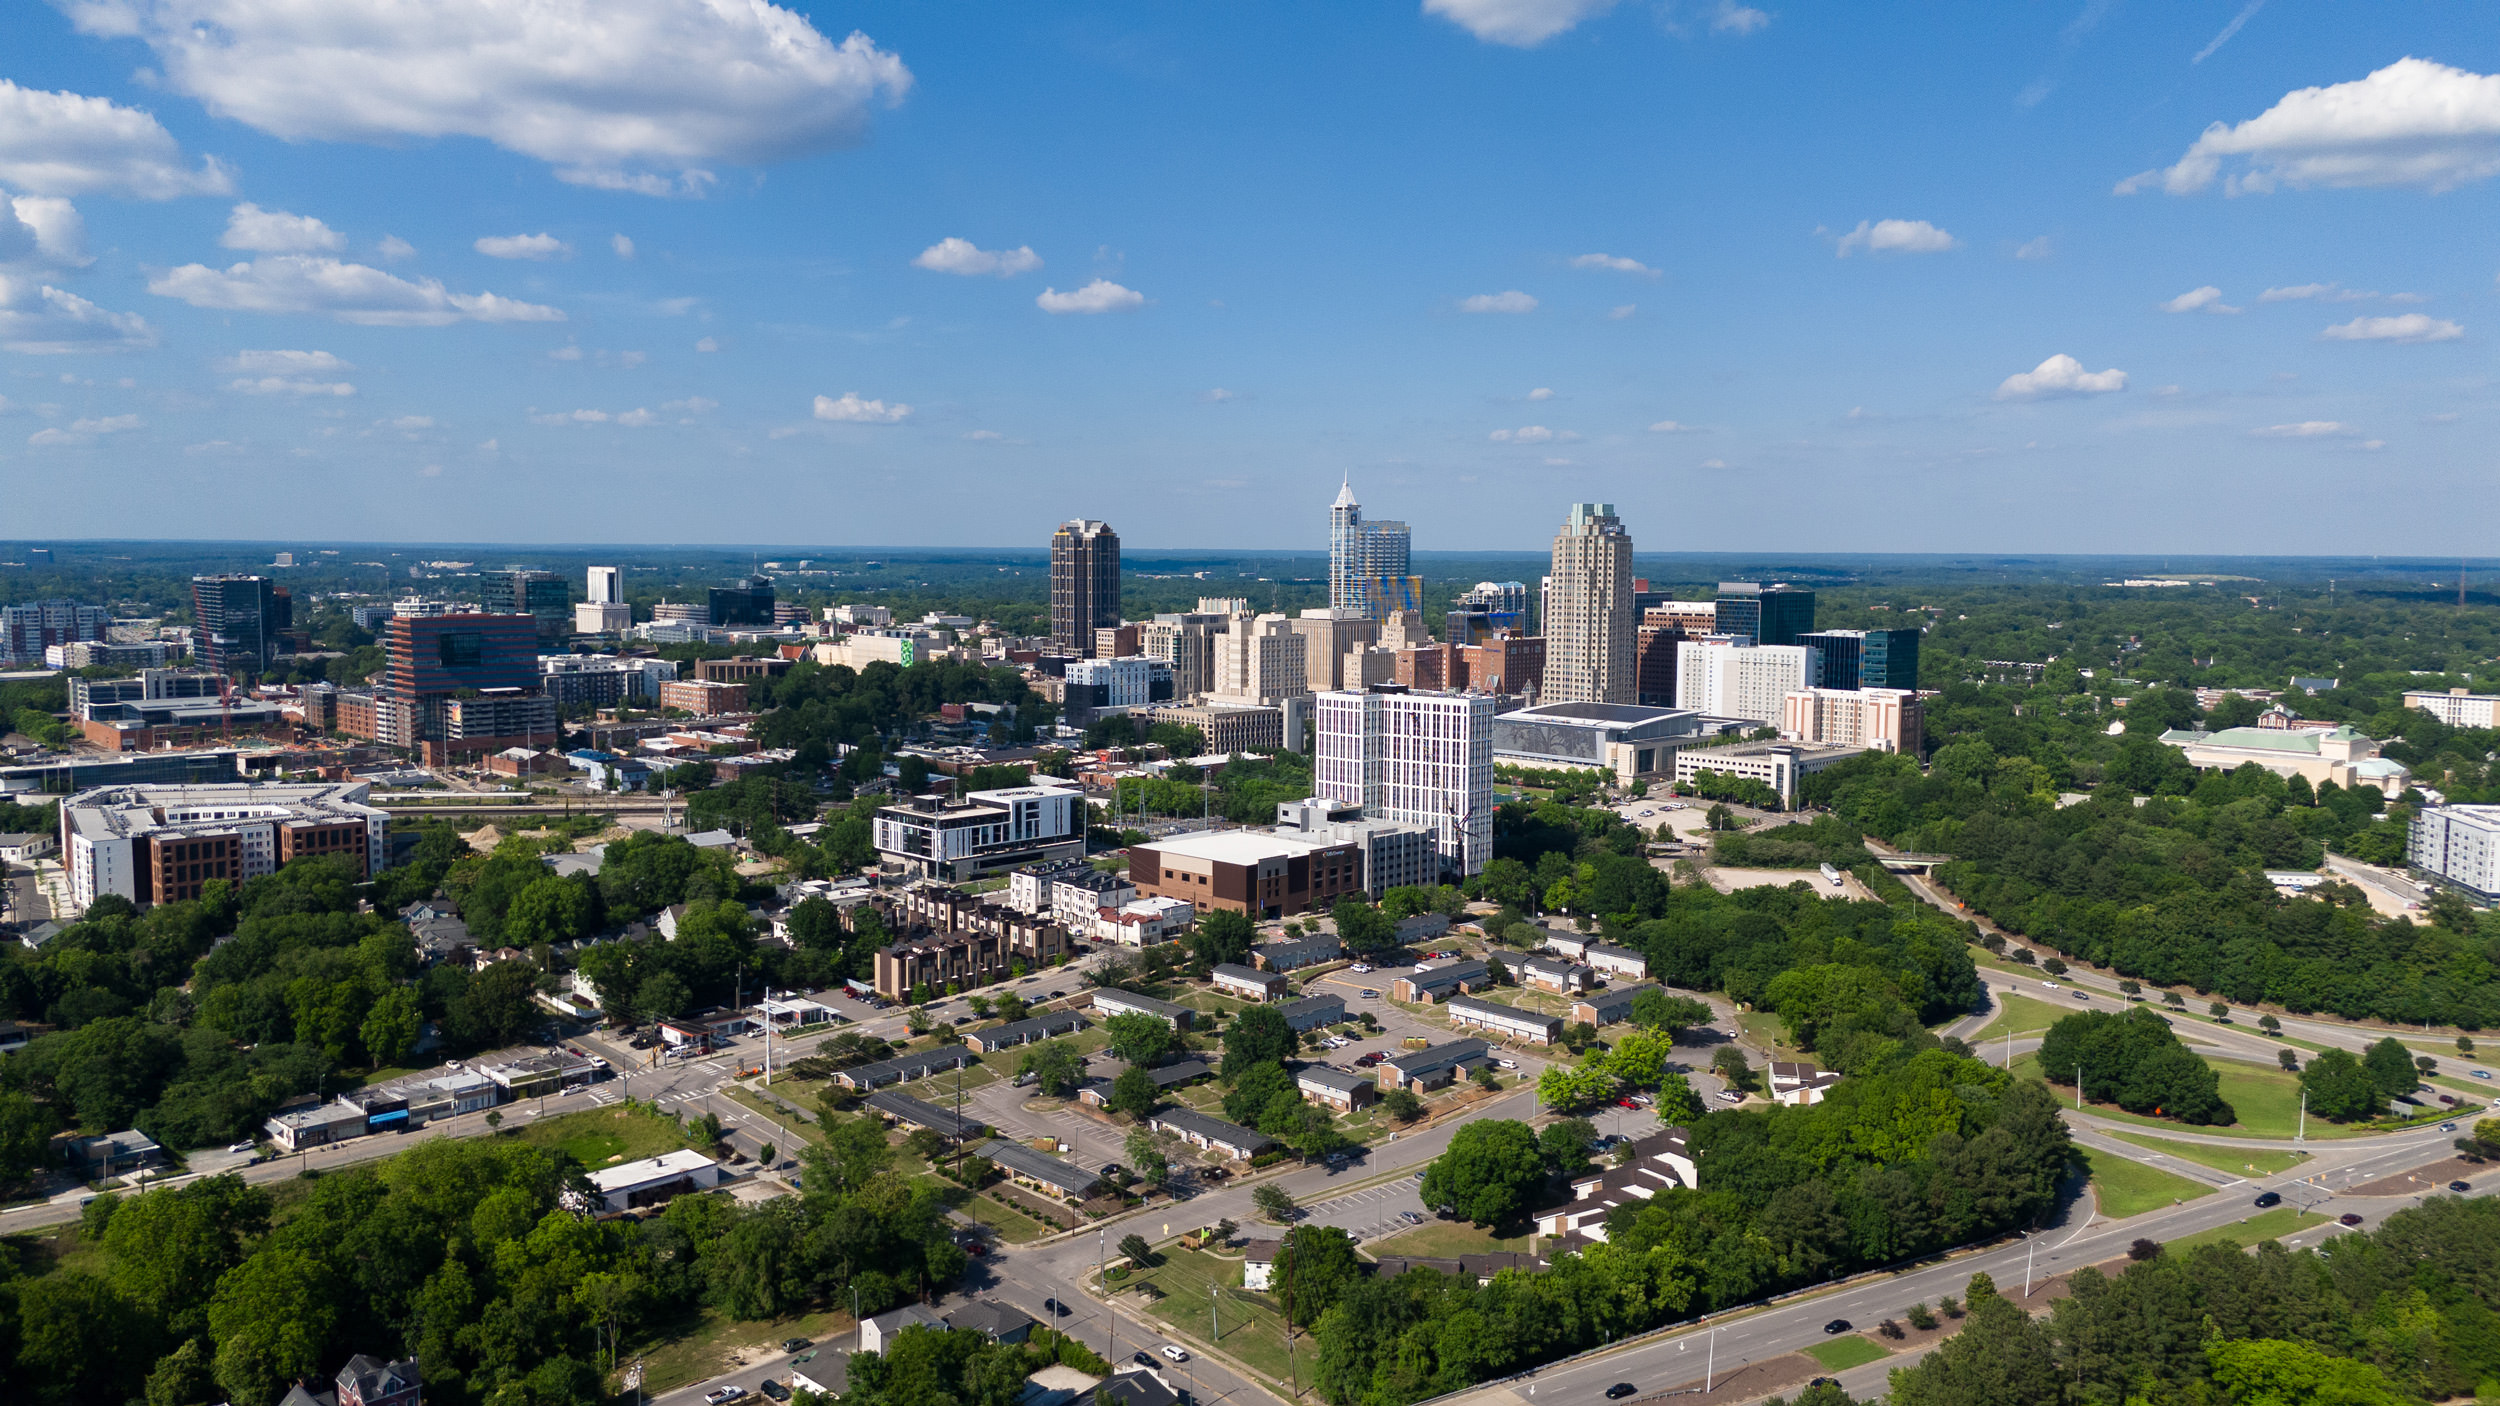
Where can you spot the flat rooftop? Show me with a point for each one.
(1235, 846)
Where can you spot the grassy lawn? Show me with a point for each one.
(2020, 1015)
(1765, 1030)
(940, 1088)
(1846, 1351)
(2251, 1162)
(699, 1346)
(603, 1137)
(1445, 1239)
(800, 1130)
(2265, 1225)
(1253, 1330)
(2266, 1100)
(2125, 1188)
(1012, 1225)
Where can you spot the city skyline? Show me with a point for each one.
(2116, 281)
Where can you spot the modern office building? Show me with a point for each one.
(161, 843)
(239, 618)
(746, 602)
(2458, 845)
(1590, 632)
(541, 595)
(1487, 609)
(1775, 614)
(1230, 727)
(1262, 659)
(2458, 708)
(1084, 583)
(606, 585)
(1331, 635)
(1187, 643)
(594, 618)
(1626, 739)
(462, 686)
(1866, 658)
(984, 833)
(1415, 759)
(603, 680)
(1129, 682)
(1365, 559)
(1877, 719)
(108, 654)
(1725, 677)
(29, 629)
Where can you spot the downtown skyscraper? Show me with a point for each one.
(1084, 584)
(1369, 563)
(1591, 631)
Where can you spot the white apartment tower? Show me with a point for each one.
(1260, 659)
(1591, 631)
(1360, 551)
(1732, 677)
(1422, 759)
(607, 585)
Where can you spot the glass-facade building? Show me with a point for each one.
(1867, 658)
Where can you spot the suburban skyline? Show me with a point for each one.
(2098, 280)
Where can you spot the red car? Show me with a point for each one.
(1625, 1103)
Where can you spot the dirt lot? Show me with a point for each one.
(1730, 880)
(2434, 1177)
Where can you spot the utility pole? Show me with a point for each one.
(2033, 1248)
(2078, 1088)
(1111, 1319)
(1710, 1361)
(1215, 1330)
(2301, 1134)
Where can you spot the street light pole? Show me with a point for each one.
(2032, 1247)
(1710, 1361)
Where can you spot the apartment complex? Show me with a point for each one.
(983, 833)
(1243, 871)
(2459, 845)
(603, 680)
(1732, 677)
(462, 686)
(161, 844)
(1663, 626)
(1261, 659)
(27, 630)
(1423, 759)
(2458, 708)
(1084, 583)
(1590, 632)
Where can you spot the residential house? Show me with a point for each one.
(995, 1321)
(1440, 981)
(1660, 1161)
(1434, 1067)
(1258, 1269)
(1799, 1084)
(1235, 980)
(370, 1381)
(1508, 1022)
(1210, 1134)
(878, 1333)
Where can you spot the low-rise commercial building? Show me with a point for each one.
(984, 833)
(1628, 740)
(1245, 871)
(160, 844)
(655, 1181)
(1778, 765)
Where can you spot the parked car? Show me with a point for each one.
(2348, 1218)
(1370, 995)
(1360, 967)
(244, 1146)
(1111, 1171)
(795, 1344)
(1174, 1353)
(1836, 1327)
(1141, 1359)
(725, 1394)
(1731, 1096)
(2269, 1198)
(775, 1390)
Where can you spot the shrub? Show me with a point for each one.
(1952, 1306)
(1890, 1329)
(2142, 1250)
(1921, 1316)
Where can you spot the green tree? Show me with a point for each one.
(169, 1247)
(1222, 936)
(1054, 1066)
(1315, 1267)
(1141, 1039)
(1999, 1358)
(1568, 1087)
(1729, 1063)
(1259, 1035)
(1402, 1104)
(1147, 1158)
(1133, 1093)
(853, 1154)
(1487, 1172)
(1273, 1201)
(1363, 928)
(1138, 1252)
(2390, 1066)
(1655, 1009)
(391, 1027)
(2278, 1373)
(273, 1318)
(1254, 1089)
(1565, 1144)
(2340, 1089)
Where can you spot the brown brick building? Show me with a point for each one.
(1245, 871)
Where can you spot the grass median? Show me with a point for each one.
(2239, 1162)
(2265, 1225)
(1847, 1351)
(2126, 1188)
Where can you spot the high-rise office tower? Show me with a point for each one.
(238, 622)
(462, 685)
(1764, 614)
(1415, 759)
(607, 585)
(747, 601)
(1368, 562)
(1488, 609)
(1866, 658)
(1084, 584)
(538, 594)
(1590, 630)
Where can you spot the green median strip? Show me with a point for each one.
(2266, 1225)
(2239, 1162)
(1847, 1351)
(2126, 1188)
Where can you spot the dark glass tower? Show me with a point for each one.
(1084, 584)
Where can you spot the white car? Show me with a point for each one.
(1175, 1353)
(1360, 967)
(725, 1394)
(2049, 985)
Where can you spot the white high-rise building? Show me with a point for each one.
(1261, 659)
(1878, 719)
(2460, 844)
(1360, 552)
(607, 585)
(1423, 759)
(1728, 677)
(1591, 630)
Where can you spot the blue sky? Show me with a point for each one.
(2086, 276)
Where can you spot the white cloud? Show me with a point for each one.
(1511, 301)
(2406, 327)
(65, 144)
(2060, 375)
(1622, 311)
(2412, 123)
(1101, 295)
(55, 436)
(1732, 18)
(296, 283)
(707, 344)
(2205, 299)
(276, 232)
(2039, 248)
(1673, 427)
(1522, 24)
(2298, 293)
(1714, 463)
(1541, 393)
(408, 422)
(1614, 263)
(691, 405)
(288, 385)
(2305, 429)
(110, 424)
(568, 352)
(623, 246)
(42, 229)
(435, 470)
(40, 319)
(395, 248)
(983, 435)
(292, 363)
(637, 418)
(540, 246)
(962, 256)
(575, 417)
(1896, 237)
(1525, 434)
(850, 409)
(634, 95)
